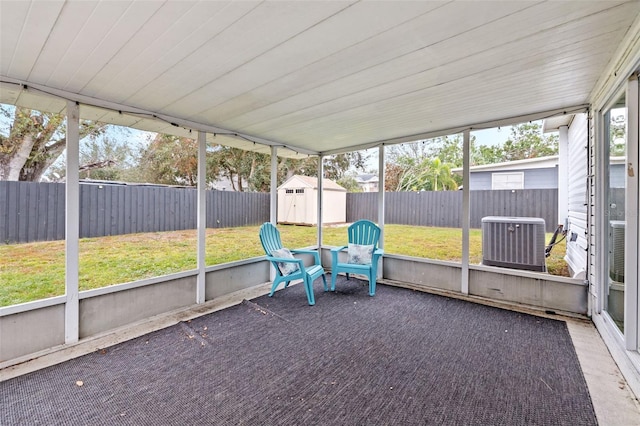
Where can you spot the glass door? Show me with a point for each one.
(616, 135)
(622, 296)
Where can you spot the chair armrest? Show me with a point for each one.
(314, 253)
(281, 259)
(337, 249)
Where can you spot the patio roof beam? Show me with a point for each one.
(126, 109)
(455, 130)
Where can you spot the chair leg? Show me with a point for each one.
(273, 287)
(308, 286)
(324, 281)
(333, 279)
(372, 282)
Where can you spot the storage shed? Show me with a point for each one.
(298, 201)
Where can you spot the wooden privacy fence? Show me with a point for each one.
(35, 211)
(444, 208)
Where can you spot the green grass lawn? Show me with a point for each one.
(36, 270)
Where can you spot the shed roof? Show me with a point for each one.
(314, 77)
(299, 181)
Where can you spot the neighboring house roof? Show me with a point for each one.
(367, 178)
(529, 163)
(299, 181)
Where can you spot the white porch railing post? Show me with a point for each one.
(273, 204)
(320, 199)
(202, 217)
(72, 225)
(273, 211)
(381, 206)
(466, 218)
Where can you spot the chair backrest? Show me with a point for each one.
(270, 238)
(364, 232)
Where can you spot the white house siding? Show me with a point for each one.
(533, 178)
(576, 254)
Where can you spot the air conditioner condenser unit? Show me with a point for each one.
(514, 242)
(616, 250)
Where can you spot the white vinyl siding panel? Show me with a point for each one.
(578, 167)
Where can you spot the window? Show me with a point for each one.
(299, 191)
(512, 180)
(288, 191)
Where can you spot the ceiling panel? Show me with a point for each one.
(36, 26)
(319, 41)
(313, 76)
(178, 33)
(237, 44)
(413, 72)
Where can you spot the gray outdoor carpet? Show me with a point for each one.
(399, 358)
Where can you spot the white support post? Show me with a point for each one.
(631, 238)
(273, 211)
(466, 217)
(320, 199)
(563, 174)
(202, 217)
(273, 204)
(72, 225)
(381, 206)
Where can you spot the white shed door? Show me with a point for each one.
(295, 206)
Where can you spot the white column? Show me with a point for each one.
(563, 174)
(273, 204)
(381, 206)
(72, 225)
(202, 216)
(632, 258)
(273, 211)
(466, 218)
(320, 199)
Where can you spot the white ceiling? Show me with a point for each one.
(314, 76)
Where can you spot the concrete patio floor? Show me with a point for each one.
(614, 402)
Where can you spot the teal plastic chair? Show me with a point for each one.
(362, 232)
(270, 239)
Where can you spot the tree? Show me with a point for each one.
(34, 142)
(169, 160)
(392, 175)
(349, 183)
(528, 141)
(246, 170)
(427, 175)
(335, 166)
(617, 132)
(101, 158)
